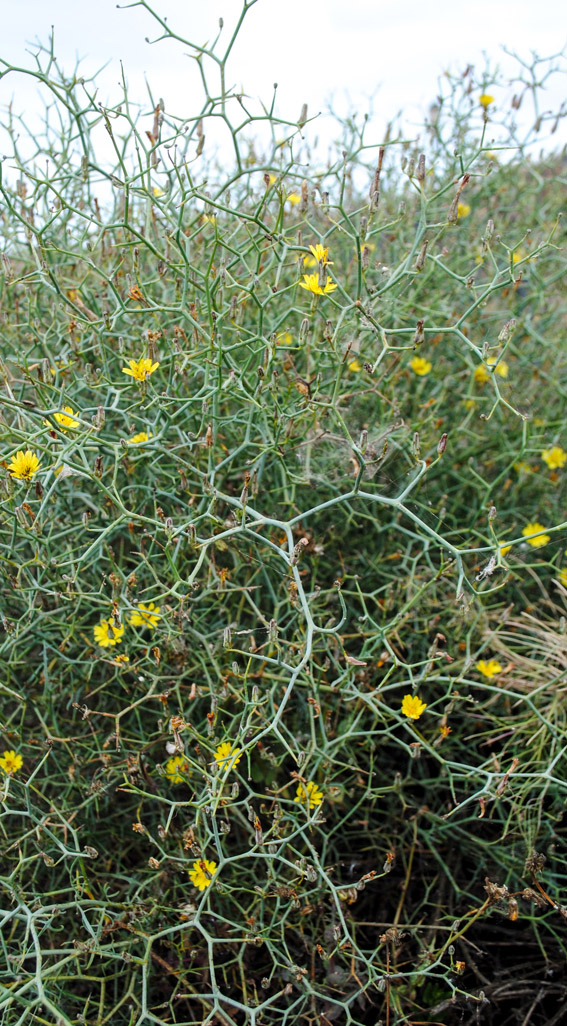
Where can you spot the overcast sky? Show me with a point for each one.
(394, 49)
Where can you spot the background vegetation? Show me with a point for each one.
(282, 444)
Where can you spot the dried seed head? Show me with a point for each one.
(535, 862)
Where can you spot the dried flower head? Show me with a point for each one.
(24, 465)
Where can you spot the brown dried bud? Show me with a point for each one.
(531, 895)
(535, 862)
(421, 256)
(419, 337)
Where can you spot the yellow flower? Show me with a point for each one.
(485, 100)
(489, 667)
(463, 210)
(518, 255)
(11, 762)
(355, 365)
(311, 283)
(554, 457)
(504, 549)
(309, 793)
(481, 375)
(284, 339)
(106, 634)
(293, 198)
(67, 418)
(420, 365)
(157, 191)
(142, 436)
(412, 706)
(145, 616)
(562, 575)
(227, 757)
(444, 730)
(535, 528)
(320, 254)
(24, 465)
(174, 768)
(202, 873)
(140, 369)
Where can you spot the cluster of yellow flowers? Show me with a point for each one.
(107, 634)
(320, 284)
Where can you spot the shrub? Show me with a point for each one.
(283, 573)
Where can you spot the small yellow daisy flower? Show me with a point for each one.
(320, 254)
(504, 549)
(355, 365)
(24, 465)
(293, 198)
(67, 418)
(140, 369)
(489, 668)
(227, 757)
(106, 634)
(482, 375)
(11, 762)
(413, 707)
(311, 283)
(201, 873)
(485, 100)
(139, 439)
(463, 210)
(175, 767)
(535, 528)
(554, 457)
(309, 793)
(562, 575)
(145, 615)
(420, 365)
(121, 659)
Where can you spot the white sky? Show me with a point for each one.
(349, 49)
